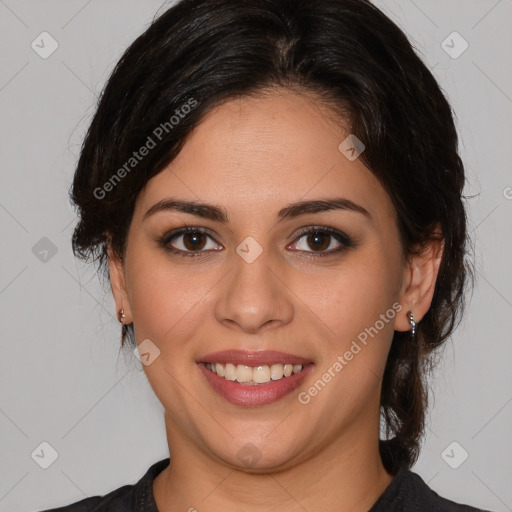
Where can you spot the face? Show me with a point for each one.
(323, 287)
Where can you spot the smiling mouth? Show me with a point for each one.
(254, 375)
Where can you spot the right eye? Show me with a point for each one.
(192, 243)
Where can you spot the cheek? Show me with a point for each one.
(168, 301)
(167, 308)
(359, 310)
(357, 295)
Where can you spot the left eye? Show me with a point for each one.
(321, 239)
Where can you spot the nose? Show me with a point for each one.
(254, 296)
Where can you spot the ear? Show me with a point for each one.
(118, 285)
(420, 276)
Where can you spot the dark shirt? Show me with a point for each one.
(407, 492)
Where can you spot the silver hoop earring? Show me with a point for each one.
(413, 324)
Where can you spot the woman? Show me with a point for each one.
(274, 191)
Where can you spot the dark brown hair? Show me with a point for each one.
(201, 53)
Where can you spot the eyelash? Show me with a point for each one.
(342, 238)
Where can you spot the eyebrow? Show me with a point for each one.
(212, 212)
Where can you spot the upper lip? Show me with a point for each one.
(251, 358)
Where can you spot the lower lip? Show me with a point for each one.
(258, 394)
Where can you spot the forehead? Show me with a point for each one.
(255, 153)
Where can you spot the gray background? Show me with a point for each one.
(62, 376)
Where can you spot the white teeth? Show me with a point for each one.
(243, 373)
(230, 372)
(276, 371)
(261, 374)
(219, 370)
(297, 368)
(250, 375)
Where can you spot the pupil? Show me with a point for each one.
(316, 236)
(196, 244)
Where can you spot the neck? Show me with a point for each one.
(348, 472)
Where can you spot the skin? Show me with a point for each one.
(253, 156)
